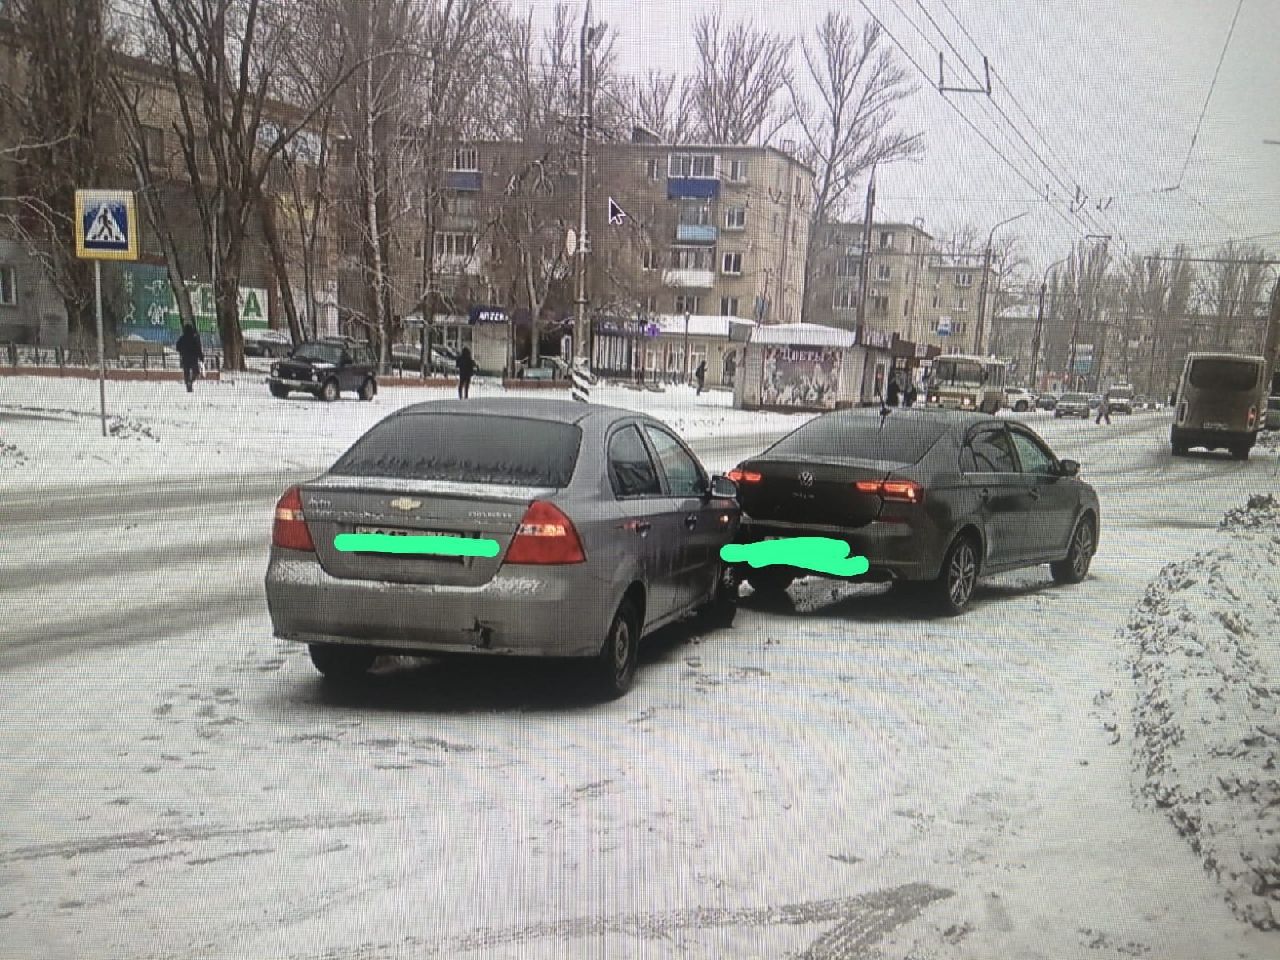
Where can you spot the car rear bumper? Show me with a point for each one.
(895, 550)
(1199, 437)
(309, 385)
(523, 611)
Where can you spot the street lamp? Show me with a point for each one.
(986, 269)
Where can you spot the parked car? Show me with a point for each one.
(607, 527)
(1073, 405)
(1046, 401)
(409, 357)
(267, 343)
(548, 368)
(1095, 401)
(932, 498)
(1120, 398)
(326, 369)
(1019, 399)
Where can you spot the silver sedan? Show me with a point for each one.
(529, 527)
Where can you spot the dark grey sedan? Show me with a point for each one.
(591, 527)
(932, 498)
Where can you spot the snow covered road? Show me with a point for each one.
(833, 777)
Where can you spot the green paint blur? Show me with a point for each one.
(819, 554)
(411, 545)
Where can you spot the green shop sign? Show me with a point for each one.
(150, 304)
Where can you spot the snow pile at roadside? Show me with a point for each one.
(127, 428)
(11, 456)
(1207, 718)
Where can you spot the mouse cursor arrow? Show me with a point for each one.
(616, 213)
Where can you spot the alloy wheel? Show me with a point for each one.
(961, 574)
(1082, 550)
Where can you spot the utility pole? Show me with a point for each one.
(585, 46)
(1035, 343)
(986, 272)
(865, 267)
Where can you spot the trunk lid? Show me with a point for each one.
(338, 505)
(820, 492)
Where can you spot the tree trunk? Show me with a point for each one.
(372, 221)
(279, 265)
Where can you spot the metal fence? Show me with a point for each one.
(153, 358)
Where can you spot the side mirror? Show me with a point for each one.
(723, 488)
(1069, 468)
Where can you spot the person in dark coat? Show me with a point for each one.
(909, 395)
(701, 375)
(1104, 410)
(190, 353)
(893, 394)
(466, 367)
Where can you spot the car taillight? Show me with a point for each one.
(744, 476)
(903, 491)
(545, 535)
(290, 528)
(1253, 416)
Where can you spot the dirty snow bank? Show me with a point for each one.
(1207, 722)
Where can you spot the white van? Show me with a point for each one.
(1221, 400)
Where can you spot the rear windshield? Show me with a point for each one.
(467, 448)
(903, 438)
(1221, 373)
(1076, 397)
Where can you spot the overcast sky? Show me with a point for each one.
(1115, 86)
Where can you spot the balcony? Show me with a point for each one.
(680, 188)
(689, 279)
(458, 265)
(696, 233)
(468, 180)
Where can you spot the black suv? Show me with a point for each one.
(326, 368)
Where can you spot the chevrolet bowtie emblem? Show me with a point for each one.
(404, 503)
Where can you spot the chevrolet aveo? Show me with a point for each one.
(606, 527)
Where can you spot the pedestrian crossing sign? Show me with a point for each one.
(106, 225)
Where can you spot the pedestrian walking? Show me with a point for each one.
(190, 353)
(466, 367)
(893, 394)
(910, 395)
(1104, 410)
(701, 375)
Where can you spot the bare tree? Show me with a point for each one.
(1232, 293)
(737, 89)
(223, 59)
(660, 103)
(61, 107)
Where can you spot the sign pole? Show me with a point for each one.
(102, 362)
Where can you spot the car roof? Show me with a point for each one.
(943, 418)
(556, 411)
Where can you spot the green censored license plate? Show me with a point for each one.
(400, 541)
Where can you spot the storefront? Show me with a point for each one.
(800, 366)
(669, 347)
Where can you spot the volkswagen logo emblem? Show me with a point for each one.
(406, 504)
(806, 478)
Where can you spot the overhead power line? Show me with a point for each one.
(1209, 96)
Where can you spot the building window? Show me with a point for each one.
(962, 303)
(692, 258)
(906, 307)
(700, 166)
(844, 298)
(935, 301)
(913, 244)
(461, 205)
(775, 223)
(153, 144)
(880, 304)
(8, 286)
(650, 305)
(648, 260)
(738, 171)
(455, 244)
(886, 240)
(735, 218)
(731, 264)
(883, 271)
(847, 266)
(687, 303)
(698, 214)
(654, 166)
(728, 306)
(964, 279)
(465, 158)
(418, 247)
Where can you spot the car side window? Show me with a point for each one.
(631, 469)
(988, 451)
(684, 476)
(1033, 457)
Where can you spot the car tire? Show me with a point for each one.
(329, 391)
(1020, 406)
(953, 589)
(1179, 449)
(368, 389)
(770, 582)
(1084, 541)
(339, 662)
(614, 669)
(718, 613)
(280, 393)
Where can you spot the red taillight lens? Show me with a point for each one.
(290, 528)
(545, 535)
(744, 476)
(903, 491)
(1253, 417)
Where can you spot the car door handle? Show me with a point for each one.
(691, 521)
